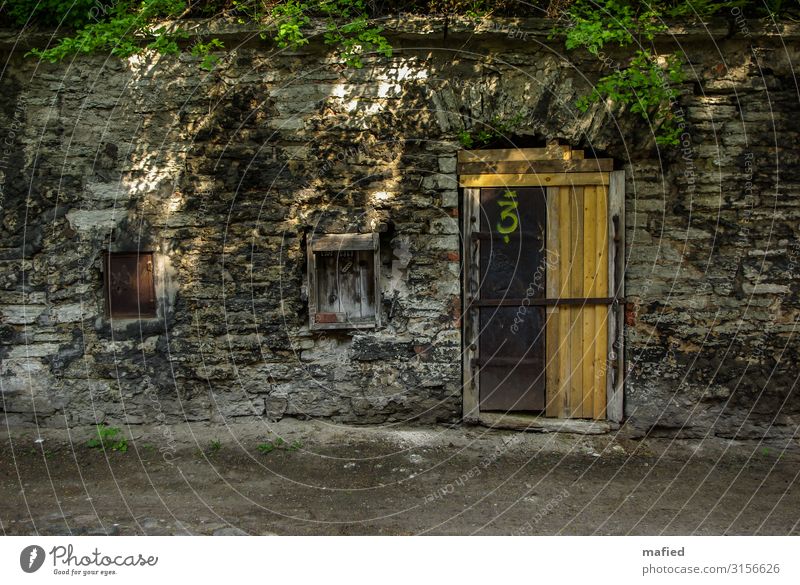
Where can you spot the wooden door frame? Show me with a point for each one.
(540, 167)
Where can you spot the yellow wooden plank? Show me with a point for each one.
(590, 165)
(576, 291)
(589, 290)
(533, 180)
(513, 154)
(602, 312)
(554, 397)
(564, 313)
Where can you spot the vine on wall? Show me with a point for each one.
(644, 82)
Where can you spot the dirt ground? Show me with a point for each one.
(333, 479)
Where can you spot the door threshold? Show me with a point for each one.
(540, 424)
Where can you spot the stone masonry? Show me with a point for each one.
(224, 175)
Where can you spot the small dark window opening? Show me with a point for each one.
(130, 285)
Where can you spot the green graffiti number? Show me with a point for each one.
(508, 214)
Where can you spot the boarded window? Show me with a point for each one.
(129, 285)
(343, 285)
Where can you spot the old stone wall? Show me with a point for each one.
(223, 175)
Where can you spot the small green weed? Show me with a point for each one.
(109, 438)
(278, 443)
(265, 448)
(215, 446)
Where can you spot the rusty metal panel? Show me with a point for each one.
(511, 355)
(130, 285)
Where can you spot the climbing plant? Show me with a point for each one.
(124, 27)
(644, 82)
(121, 29)
(347, 25)
(641, 81)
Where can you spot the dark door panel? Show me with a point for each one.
(511, 358)
(511, 352)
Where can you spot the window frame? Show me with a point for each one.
(341, 243)
(108, 257)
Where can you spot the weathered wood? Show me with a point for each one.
(376, 279)
(350, 324)
(469, 318)
(588, 332)
(533, 180)
(536, 167)
(343, 280)
(337, 242)
(514, 154)
(580, 265)
(576, 314)
(311, 286)
(555, 397)
(564, 314)
(367, 308)
(616, 271)
(599, 398)
(540, 424)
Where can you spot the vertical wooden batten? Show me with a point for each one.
(601, 312)
(469, 316)
(555, 399)
(576, 393)
(615, 381)
(563, 289)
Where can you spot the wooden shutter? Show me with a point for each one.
(344, 281)
(130, 285)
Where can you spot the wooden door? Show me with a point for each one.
(542, 257)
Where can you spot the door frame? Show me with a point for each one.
(549, 167)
